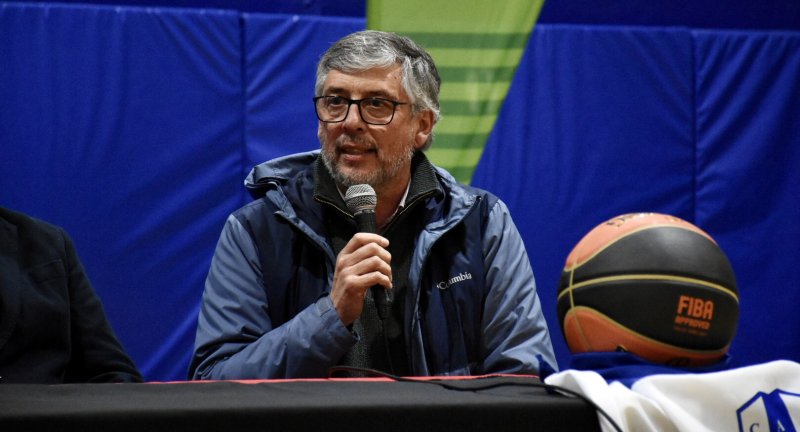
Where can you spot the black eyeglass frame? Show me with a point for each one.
(357, 102)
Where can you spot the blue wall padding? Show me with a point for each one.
(748, 183)
(598, 122)
(125, 126)
(134, 127)
(280, 61)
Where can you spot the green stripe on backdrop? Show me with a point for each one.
(477, 45)
(456, 159)
(471, 91)
(451, 141)
(470, 107)
(453, 16)
(474, 57)
(481, 124)
(470, 40)
(478, 74)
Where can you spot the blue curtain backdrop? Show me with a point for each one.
(134, 127)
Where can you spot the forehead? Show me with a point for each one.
(370, 82)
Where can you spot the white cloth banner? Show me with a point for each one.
(759, 398)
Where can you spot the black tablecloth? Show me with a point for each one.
(492, 404)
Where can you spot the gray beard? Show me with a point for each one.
(376, 178)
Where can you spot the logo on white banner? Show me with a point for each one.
(778, 411)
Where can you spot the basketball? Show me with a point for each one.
(650, 284)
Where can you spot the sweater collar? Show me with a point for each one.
(423, 183)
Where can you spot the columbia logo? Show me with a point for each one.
(443, 285)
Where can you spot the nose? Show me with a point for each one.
(353, 119)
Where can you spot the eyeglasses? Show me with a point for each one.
(374, 110)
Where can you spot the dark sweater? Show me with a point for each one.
(381, 344)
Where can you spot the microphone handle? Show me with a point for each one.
(365, 220)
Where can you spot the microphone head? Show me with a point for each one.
(360, 198)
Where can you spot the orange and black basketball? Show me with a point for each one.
(650, 284)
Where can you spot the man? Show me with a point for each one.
(52, 325)
(289, 292)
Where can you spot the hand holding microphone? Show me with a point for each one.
(364, 263)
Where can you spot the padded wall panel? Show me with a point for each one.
(281, 54)
(123, 125)
(598, 122)
(748, 192)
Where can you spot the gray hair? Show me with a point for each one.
(370, 49)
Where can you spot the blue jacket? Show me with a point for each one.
(266, 313)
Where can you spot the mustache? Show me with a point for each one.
(355, 141)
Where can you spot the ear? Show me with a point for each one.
(425, 122)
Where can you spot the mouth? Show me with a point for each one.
(354, 151)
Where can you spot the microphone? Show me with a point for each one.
(361, 201)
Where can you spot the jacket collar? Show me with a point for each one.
(423, 184)
(277, 172)
(289, 182)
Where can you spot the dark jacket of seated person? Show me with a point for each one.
(53, 328)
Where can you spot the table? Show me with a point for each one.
(499, 403)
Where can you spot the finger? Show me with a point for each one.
(362, 254)
(360, 239)
(362, 282)
(370, 266)
(350, 289)
(347, 272)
